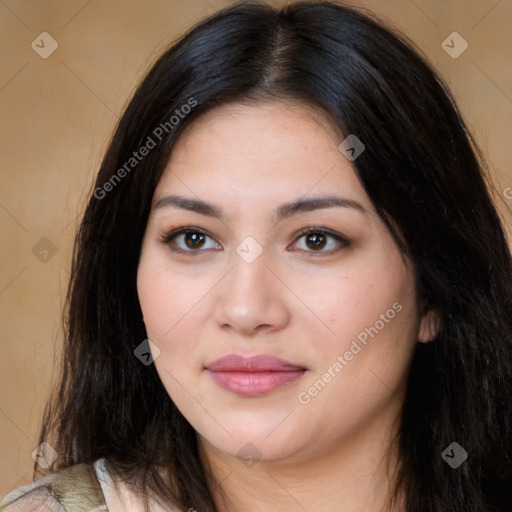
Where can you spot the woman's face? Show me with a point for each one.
(332, 313)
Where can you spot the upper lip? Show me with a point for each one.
(258, 363)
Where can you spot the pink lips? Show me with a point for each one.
(253, 376)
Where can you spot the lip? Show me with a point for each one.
(258, 363)
(253, 376)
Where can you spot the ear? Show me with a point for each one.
(429, 326)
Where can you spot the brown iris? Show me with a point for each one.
(315, 241)
(194, 240)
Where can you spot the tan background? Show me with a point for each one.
(57, 115)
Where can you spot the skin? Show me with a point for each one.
(294, 301)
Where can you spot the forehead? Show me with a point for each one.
(253, 123)
(266, 149)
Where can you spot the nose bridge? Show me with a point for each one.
(251, 296)
(250, 279)
(250, 259)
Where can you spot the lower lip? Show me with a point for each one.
(255, 383)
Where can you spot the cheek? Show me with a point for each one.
(372, 322)
(363, 363)
(167, 302)
(358, 299)
(168, 297)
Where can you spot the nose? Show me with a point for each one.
(252, 299)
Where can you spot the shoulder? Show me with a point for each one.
(74, 488)
(39, 499)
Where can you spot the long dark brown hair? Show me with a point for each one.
(425, 176)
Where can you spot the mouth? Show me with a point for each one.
(253, 376)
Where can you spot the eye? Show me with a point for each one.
(316, 239)
(188, 239)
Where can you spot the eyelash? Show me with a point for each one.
(168, 238)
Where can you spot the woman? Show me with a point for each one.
(290, 287)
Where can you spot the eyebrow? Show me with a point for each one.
(283, 212)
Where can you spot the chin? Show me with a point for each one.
(256, 441)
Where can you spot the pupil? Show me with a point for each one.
(317, 241)
(194, 240)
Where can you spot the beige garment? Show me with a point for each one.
(77, 489)
(73, 489)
